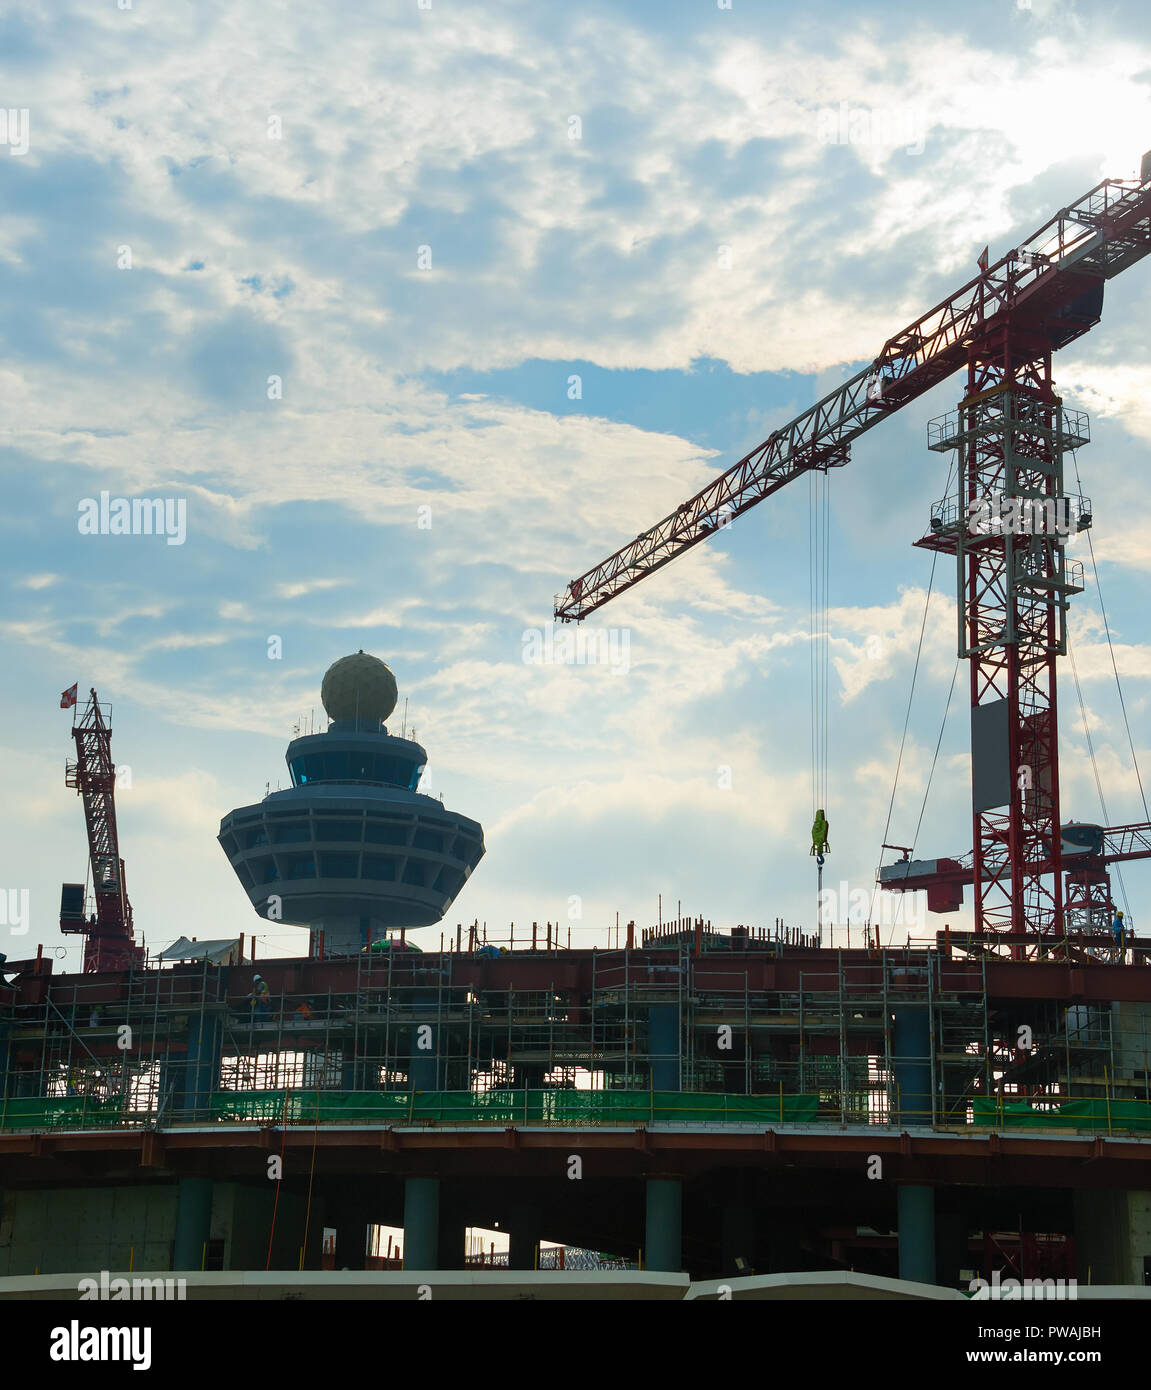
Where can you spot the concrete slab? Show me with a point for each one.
(404, 1286)
(836, 1286)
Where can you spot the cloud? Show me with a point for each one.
(303, 587)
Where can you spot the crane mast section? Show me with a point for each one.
(1052, 284)
(109, 943)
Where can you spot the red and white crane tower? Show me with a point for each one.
(1006, 525)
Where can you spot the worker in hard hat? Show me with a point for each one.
(259, 999)
(819, 832)
(1119, 931)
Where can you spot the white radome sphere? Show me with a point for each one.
(359, 687)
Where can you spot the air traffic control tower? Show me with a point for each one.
(352, 848)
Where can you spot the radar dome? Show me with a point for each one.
(359, 687)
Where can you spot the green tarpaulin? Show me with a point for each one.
(47, 1112)
(1095, 1115)
(548, 1107)
(511, 1107)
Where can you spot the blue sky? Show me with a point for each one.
(272, 172)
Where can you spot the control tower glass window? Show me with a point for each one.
(381, 768)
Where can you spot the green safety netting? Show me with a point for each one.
(700, 1108)
(308, 1107)
(510, 1107)
(1093, 1114)
(47, 1112)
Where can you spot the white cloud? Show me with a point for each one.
(303, 587)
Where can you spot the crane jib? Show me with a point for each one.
(1051, 285)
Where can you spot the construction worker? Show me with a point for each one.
(1118, 931)
(260, 998)
(304, 1012)
(819, 833)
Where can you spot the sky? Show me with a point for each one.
(411, 312)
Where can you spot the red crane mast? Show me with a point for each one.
(109, 944)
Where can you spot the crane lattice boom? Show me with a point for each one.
(1051, 283)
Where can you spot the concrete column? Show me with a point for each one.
(193, 1222)
(916, 1206)
(1112, 1236)
(663, 1230)
(523, 1225)
(421, 1223)
(343, 936)
(242, 1214)
(351, 1238)
(351, 1217)
(453, 1232)
(951, 1252)
(522, 1249)
(663, 1044)
(911, 1064)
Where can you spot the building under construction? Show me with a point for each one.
(707, 1102)
(720, 1102)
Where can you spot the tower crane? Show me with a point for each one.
(109, 944)
(1006, 525)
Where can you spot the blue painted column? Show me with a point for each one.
(663, 1228)
(911, 1065)
(424, 1071)
(193, 1222)
(421, 1223)
(196, 1077)
(916, 1207)
(663, 1045)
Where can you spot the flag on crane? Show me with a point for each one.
(68, 697)
(984, 257)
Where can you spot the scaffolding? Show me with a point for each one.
(671, 1034)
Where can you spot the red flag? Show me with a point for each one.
(983, 259)
(68, 697)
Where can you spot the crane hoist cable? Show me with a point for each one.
(819, 662)
(819, 561)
